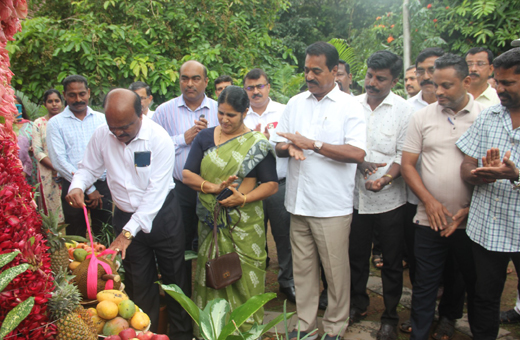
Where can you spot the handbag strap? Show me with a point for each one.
(216, 212)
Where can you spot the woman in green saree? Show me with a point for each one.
(232, 156)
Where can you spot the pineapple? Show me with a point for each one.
(58, 252)
(72, 321)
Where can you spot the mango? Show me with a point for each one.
(126, 309)
(74, 264)
(113, 295)
(80, 255)
(99, 323)
(107, 310)
(115, 326)
(140, 321)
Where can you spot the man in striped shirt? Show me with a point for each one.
(183, 118)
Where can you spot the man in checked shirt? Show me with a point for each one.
(492, 154)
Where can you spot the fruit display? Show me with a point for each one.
(80, 267)
(118, 317)
(73, 322)
(58, 251)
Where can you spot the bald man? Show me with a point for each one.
(138, 158)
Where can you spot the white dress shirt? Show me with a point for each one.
(150, 114)
(417, 103)
(386, 134)
(489, 97)
(319, 186)
(137, 190)
(270, 118)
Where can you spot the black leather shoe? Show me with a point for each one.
(509, 317)
(387, 332)
(324, 300)
(289, 292)
(356, 315)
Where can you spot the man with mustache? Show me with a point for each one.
(492, 155)
(183, 118)
(264, 115)
(344, 77)
(480, 64)
(444, 198)
(380, 193)
(410, 82)
(322, 131)
(68, 134)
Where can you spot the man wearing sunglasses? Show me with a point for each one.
(480, 64)
(263, 115)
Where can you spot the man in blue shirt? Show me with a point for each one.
(67, 137)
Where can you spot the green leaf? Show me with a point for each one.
(206, 324)
(218, 311)
(8, 257)
(244, 312)
(8, 275)
(15, 316)
(175, 292)
(190, 255)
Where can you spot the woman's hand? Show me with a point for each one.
(236, 199)
(212, 188)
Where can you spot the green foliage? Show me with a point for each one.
(216, 322)
(116, 42)
(20, 312)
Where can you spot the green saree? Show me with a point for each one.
(235, 157)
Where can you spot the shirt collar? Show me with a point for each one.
(465, 109)
(333, 94)
(205, 102)
(418, 98)
(268, 109)
(68, 113)
(488, 93)
(145, 132)
(389, 100)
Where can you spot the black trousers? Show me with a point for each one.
(409, 239)
(162, 247)
(432, 251)
(390, 229)
(491, 276)
(75, 218)
(187, 198)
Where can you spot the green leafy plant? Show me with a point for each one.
(22, 310)
(217, 322)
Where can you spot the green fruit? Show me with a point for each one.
(79, 255)
(114, 326)
(126, 308)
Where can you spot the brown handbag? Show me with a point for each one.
(224, 270)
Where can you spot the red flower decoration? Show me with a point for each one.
(429, 6)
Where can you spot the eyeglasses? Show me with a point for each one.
(258, 87)
(478, 63)
(421, 71)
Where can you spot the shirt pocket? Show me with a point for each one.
(331, 131)
(142, 176)
(384, 141)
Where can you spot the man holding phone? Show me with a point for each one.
(183, 118)
(136, 154)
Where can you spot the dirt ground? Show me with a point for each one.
(376, 301)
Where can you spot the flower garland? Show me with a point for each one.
(20, 224)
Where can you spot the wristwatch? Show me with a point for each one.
(317, 145)
(127, 234)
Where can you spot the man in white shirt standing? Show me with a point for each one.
(323, 133)
(380, 193)
(480, 64)
(143, 91)
(264, 115)
(137, 154)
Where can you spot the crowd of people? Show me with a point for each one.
(339, 179)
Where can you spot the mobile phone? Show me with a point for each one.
(202, 116)
(224, 194)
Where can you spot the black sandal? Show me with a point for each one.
(406, 327)
(377, 261)
(444, 330)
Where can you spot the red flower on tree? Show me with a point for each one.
(390, 39)
(434, 20)
(429, 6)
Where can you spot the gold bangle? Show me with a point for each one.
(202, 187)
(245, 198)
(391, 178)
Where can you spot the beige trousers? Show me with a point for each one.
(312, 239)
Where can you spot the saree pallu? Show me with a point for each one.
(235, 157)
